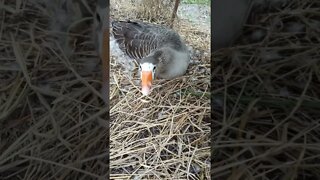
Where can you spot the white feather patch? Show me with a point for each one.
(147, 66)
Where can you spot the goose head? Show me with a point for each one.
(152, 66)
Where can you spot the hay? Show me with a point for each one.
(145, 10)
(165, 135)
(51, 114)
(266, 97)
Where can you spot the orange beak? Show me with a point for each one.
(146, 78)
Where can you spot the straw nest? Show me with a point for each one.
(51, 112)
(165, 135)
(266, 96)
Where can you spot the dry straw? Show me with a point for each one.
(266, 96)
(165, 135)
(50, 107)
(53, 119)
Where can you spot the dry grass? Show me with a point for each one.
(155, 10)
(165, 135)
(51, 115)
(266, 98)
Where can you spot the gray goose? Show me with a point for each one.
(160, 51)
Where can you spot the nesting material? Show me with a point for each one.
(52, 117)
(155, 10)
(266, 97)
(166, 134)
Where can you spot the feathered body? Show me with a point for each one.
(154, 44)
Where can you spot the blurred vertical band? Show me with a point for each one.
(102, 43)
(228, 17)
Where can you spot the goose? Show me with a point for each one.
(159, 51)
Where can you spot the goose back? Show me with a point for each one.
(139, 39)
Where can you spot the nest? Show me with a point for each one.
(266, 97)
(51, 111)
(167, 134)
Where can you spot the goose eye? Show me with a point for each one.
(139, 67)
(154, 68)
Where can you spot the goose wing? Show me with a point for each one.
(137, 39)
